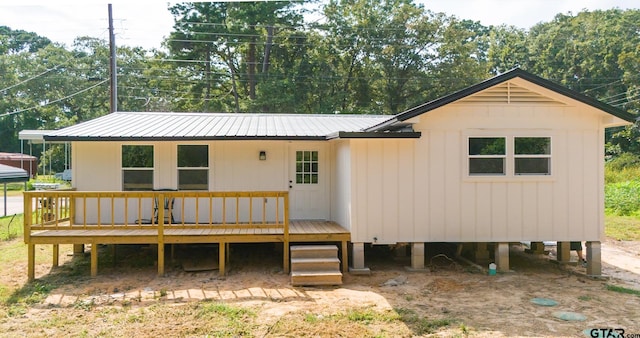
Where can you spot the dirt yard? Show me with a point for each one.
(256, 298)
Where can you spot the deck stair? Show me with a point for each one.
(315, 265)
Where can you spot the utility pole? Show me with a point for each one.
(113, 69)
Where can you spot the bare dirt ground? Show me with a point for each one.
(128, 299)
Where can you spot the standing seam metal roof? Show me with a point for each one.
(202, 126)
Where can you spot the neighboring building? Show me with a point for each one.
(514, 158)
(22, 161)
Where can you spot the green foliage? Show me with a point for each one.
(624, 290)
(622, 198)
(230, 320)
(11, 227)
(623, 168)
(423, 325)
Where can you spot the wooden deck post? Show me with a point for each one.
(56, 254)
(222, 258)
(31, 248)
(285, 251)
(28, 217)
(94, 259)
(161, 235)
(31, 262)
(345, 256)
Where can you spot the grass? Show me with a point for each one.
(358, 322)
(622, 228)
(11, 227)
(621, 289)
(422, 325)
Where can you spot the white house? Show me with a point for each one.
(514, 158)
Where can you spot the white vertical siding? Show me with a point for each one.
(436, 175)
(448, 205)
(97, 166)
(341, 203)
(233, 166)
(383, 179)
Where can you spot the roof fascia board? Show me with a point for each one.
(373, 135)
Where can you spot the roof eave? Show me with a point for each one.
(373, 135)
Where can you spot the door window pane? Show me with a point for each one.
(306, 167)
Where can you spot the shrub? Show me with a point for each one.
(622, 198)
(625, 167)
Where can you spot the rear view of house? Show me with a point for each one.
(514, 158)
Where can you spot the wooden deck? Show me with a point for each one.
(168, 217)
(300, 231)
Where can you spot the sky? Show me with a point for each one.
(145, 22)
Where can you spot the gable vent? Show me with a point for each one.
(509, 93)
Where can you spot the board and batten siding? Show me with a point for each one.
(233, 166)
(419, 190)
(341, 208)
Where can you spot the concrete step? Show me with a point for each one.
(313, 251)
(316, 278)
(315, 264)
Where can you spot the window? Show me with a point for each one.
(509, 156)
(306, 167)
(193, 167)
(532, 155)
(137, 167)
(487, 156)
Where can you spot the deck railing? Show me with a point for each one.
(60, 210)
(67, 209)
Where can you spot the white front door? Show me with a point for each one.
(307, 182)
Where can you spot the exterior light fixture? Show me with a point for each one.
(263, 155)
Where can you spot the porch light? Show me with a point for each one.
(263, 155)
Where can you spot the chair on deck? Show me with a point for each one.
(167, 204)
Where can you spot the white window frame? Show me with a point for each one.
(152, 168)
(547, 156)
(510, 136)
(207, 168)
(503, 157)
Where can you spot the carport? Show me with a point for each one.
(10, 174)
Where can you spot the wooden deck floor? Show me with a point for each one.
(299, 231)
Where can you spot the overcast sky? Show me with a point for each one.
(145, 22)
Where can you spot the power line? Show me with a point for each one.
(29, 79)
(54, 101)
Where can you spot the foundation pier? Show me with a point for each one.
(563, 252)
(417, 256)
(358, 260)
(502, 256)
(594, 262)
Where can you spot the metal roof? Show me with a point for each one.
(16, 157)
(154, 126)
(12, 174)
